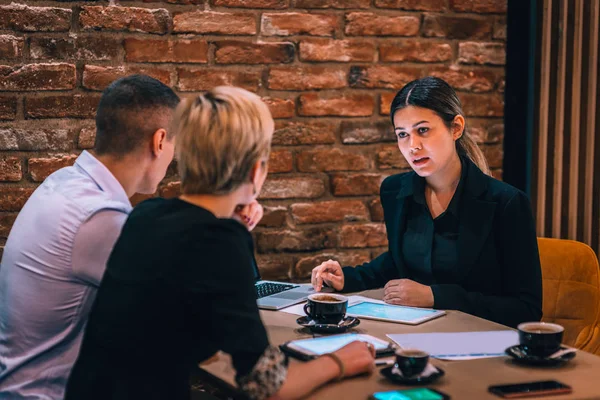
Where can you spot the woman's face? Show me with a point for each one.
(424, 140)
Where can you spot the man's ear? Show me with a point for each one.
(158, 140)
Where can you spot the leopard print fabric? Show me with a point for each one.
(267, 376)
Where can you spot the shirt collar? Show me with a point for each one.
(105, 180)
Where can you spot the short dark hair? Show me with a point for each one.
(130, 110)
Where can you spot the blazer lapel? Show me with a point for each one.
(398, 221)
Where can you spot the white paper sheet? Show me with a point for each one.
(459, 345)
(298, 309)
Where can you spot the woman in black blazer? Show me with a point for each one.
(458, 238)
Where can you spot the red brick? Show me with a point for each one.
(499, 28)
(6, 222)
(185, 2)
(494, 154)
(98, 78)
(175, 51)
(273, 217)
(80, 48)
(19, 17)
(129, 19)
(322, 50)
(277, 267)
(8, 107)
(481, 53)
(208, 22)
(376, 210)
(339, 4)
(251, 3)
(307, 240)
(87, 138)
(382, 76)
(479, 6)
(456, 27)
(331, 159)
(37, 77)
(413, 5)
(354, 132)
(13, 198)
(482, 105)
(280, 108)
(329, 211)
(34, 139)
(415, 50)
(63, 106)
(286, 24)
(356, 184)
(469, 79)
(193, 79)
(307, 78)
(493, 133)
(391, 157)
(170, 190)
(235, 52)
(287, 188)
(304, 266)
(345, 105)
(295, 133)
(281, 161)
(10, 169)
(360, 236)
(385, 103)
(11, 47)
(41, 168)
(369, 24)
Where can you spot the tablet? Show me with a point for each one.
(306, 349)
(390, 313)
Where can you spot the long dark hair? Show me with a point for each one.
(436, 95)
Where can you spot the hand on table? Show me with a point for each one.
(357, 357)
(329, 272)
(405, 292)
(249, 215)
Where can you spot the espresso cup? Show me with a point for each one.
(411, 362)
(326, 308)
(540, 339)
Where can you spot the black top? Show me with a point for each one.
(430, 246)
(497, 274)
(179, 286)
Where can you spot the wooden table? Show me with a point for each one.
(463, 379)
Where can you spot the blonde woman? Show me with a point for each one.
(179, 284)
(458, 238)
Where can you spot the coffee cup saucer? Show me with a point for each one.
(345, 324)
(429, 374)
(519, 354)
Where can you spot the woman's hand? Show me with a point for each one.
(357, 357)
(249, 215)
(405, 292)
(329, 272)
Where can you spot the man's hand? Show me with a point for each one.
(405, 292)
(329, 272)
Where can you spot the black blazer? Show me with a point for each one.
(500, 276)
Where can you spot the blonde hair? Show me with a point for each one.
(221, 135)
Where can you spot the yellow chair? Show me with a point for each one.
(571, 284)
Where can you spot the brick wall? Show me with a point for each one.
(327, 68)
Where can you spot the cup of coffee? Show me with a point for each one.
(411, 362)
(326, 308)
(540, 339)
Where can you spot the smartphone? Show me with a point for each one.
(411, 394)
(530, 389)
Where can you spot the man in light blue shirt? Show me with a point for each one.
(58, 247)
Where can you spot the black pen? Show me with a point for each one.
(381, 363)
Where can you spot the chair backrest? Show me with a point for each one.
(571, 284)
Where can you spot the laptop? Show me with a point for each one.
(271, 295)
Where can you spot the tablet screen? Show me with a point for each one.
(386, 311)
(330, 344)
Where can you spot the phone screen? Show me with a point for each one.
(410, 394)
(530, 388)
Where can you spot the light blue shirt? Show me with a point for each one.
(53, 262)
